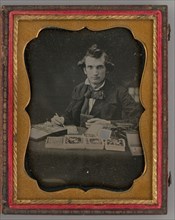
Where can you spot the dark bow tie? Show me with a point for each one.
(99, 94)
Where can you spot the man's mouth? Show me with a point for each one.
(95, 78)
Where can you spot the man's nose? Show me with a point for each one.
(95, 71)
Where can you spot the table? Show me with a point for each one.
(56, 169)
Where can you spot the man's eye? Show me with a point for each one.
(100, 67)
(90, 67)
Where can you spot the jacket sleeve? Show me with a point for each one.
(131, 110)
(68, 119)
(72, 112)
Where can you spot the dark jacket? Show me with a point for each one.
(116, 105)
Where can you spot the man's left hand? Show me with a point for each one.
(97, 121)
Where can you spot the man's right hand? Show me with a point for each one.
(57, 120)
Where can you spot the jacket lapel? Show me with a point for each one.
(96, 109)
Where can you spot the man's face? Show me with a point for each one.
(95, 70)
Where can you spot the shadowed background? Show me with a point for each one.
(51, 63)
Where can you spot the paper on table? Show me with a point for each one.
(134, 143)
(41, 131)
(71, 129)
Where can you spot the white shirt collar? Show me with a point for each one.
(88, 83)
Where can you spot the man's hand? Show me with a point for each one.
(97, 121)
(57, 120)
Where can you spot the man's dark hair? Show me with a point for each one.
(96, 52)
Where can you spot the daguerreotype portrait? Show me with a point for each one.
(84, 113)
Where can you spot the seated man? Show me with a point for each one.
(97, 99)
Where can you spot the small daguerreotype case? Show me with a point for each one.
(84, 109)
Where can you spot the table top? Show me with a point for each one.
(56, 169)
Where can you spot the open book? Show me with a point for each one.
(41, 131)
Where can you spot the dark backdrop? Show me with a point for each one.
(51, 62)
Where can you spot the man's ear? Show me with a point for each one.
(84, 70)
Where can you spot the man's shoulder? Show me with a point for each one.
(80, 85)
(115, 87)
(79, 90)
